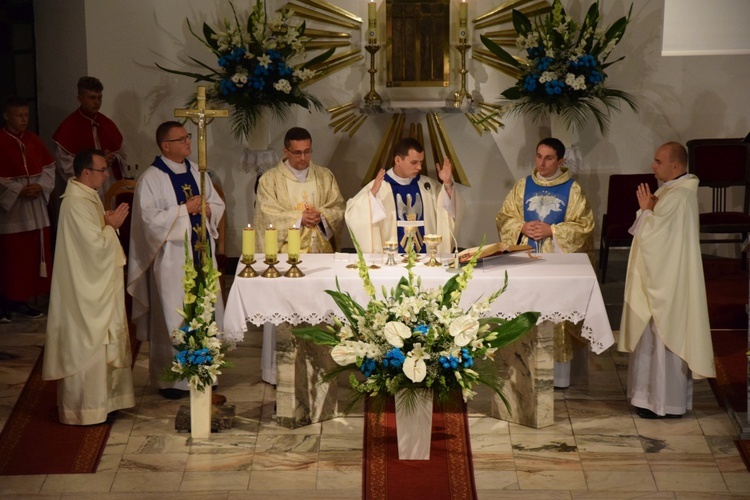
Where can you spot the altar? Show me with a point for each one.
(559, 286)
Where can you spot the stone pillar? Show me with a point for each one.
(528, 365)
(301, 398)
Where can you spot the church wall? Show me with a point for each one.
(680, 98)
(61, 59)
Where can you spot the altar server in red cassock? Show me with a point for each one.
(87, 128)
(27, 178)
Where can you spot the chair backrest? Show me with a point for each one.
(121, 191)
(719, 164)
(622, 203)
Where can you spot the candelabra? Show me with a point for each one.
(372, 97)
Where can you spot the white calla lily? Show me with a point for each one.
(464, 329)
(415, 367)
(343, 354)
(395, 332)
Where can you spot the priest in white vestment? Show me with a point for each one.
(401, 194)
(166, 207)
(665, 313)
(297, 193)
(88, 346)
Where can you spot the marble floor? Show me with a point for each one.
(597, 448)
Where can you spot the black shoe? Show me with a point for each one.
(28, 312)
(648, 414)
(171, 393)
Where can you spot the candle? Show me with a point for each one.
(372, 22)
(293, 243)
(463, 12)
(248, 242)
(272, 244)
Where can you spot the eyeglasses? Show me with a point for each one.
(181, 139)
(100, 170)
(298, 154)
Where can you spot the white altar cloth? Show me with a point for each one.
(559, 286)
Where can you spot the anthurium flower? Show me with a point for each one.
(395, 332)
(415, 367)
(463, 330)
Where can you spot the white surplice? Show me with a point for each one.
(157, 255)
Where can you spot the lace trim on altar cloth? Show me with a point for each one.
(314, 318)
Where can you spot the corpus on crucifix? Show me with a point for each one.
(201, 116)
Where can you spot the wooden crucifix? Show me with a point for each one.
(201, 116)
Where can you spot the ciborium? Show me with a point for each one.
(433, 240)
(390, 248)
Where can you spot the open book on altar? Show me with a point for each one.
(493, 250)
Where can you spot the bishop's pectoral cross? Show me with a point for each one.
(201, 117)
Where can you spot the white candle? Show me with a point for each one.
(372, 22)
(463, 12)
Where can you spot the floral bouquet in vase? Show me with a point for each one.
(200, 352)
(413, 340)
(255, 68)
(564, 68)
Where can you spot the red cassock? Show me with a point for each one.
(23, 160)
(78, 132)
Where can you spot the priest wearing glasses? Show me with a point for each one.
(166, 206)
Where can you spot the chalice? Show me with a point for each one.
(433, 240)
(390, 248)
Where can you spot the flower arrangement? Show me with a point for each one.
(254, 66)
(200, 353)
(413, 338)
(564, 68)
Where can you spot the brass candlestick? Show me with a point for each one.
(248, 272)
(294, 271)
(458, 97)
(372, 97)
(271, 272)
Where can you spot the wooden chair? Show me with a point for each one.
(622, 206)
(721, 164)
(121, 191)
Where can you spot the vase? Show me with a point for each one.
(569, 137)
(200, 413)
(414, 424)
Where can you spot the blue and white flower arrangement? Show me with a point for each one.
(413, 338)
(200, 351)
(255, 66)
(562, 67)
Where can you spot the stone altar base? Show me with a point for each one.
(529, 365)
(221, 418)
(301, 397)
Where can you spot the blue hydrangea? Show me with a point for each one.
(227, 86)
(450, 362)
(530, 82)
(544, 63)
(554, 87)
(535, 52)
(596, 77)
(368, 367)
(422, 329)
(466, 360)
(394, 358)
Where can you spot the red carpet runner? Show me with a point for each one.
(34, 442)
(449, 474)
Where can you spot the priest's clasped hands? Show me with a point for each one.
(646, 200)
(537, 230)
(193, 206)
(116, 217)
(311, 217)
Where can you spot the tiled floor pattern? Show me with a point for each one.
(597, 448)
